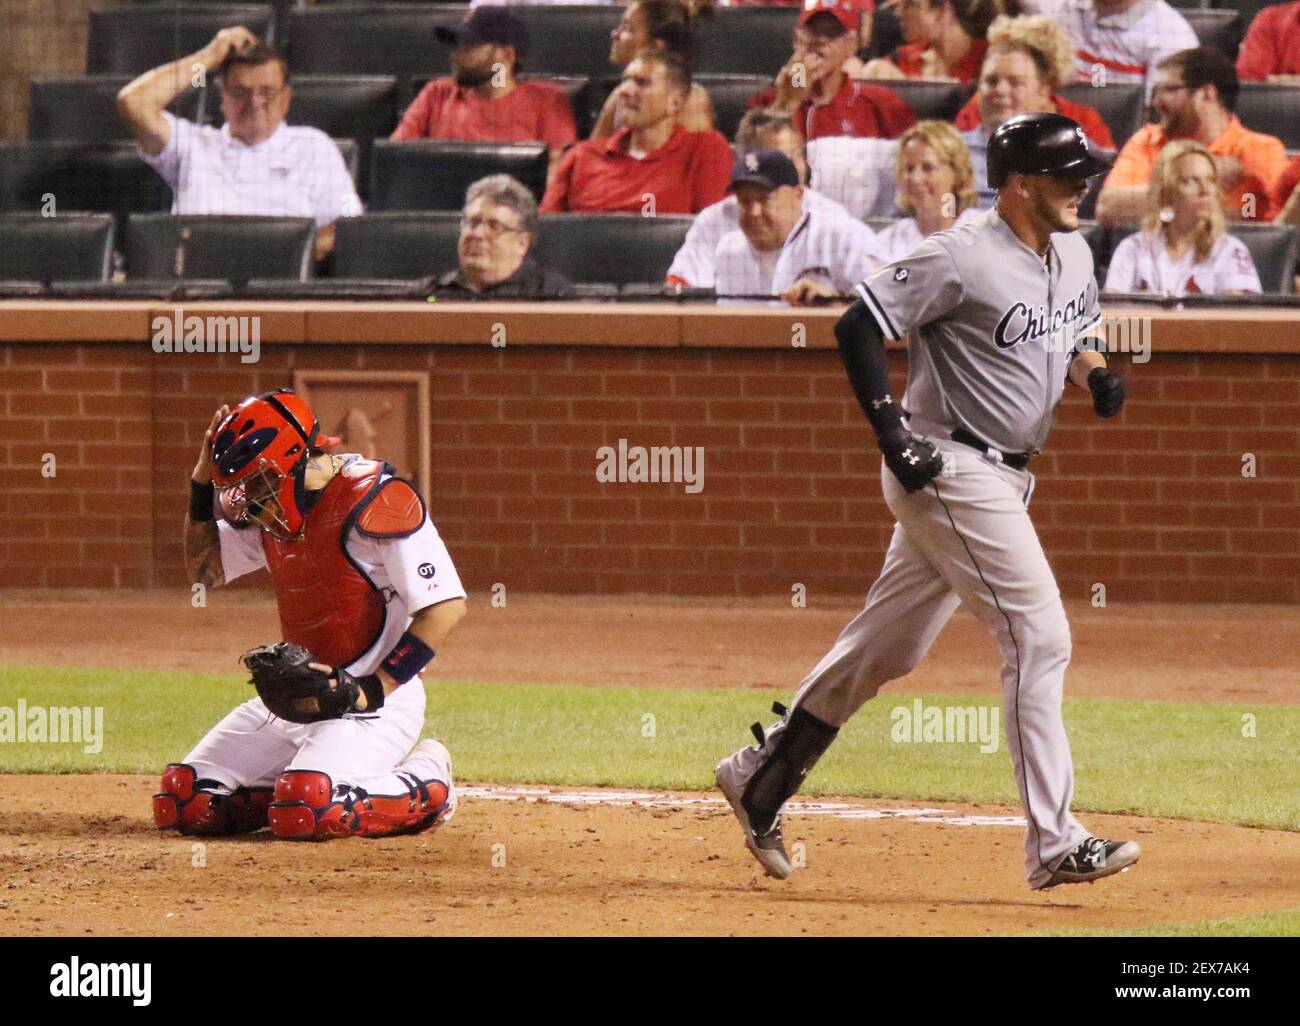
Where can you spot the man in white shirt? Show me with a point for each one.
(763, 128)
(1118, 41)
(784, 246)
(253, 164)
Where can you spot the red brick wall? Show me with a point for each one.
(1152, 504)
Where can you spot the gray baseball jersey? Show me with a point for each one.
(990, 327)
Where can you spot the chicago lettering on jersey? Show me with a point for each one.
(1022, 323)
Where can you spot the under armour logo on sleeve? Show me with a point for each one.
(876, 404)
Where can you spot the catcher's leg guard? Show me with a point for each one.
(424, 805)
(207, 807)
(306, 807)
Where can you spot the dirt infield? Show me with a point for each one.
(79, 856)
(528, 867)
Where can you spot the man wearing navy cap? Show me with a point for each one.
(785, 246)
(482, 100)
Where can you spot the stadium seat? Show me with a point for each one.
(1272, 247)
(83, 108)
(108, 177)
(1274, 250)
(71, 247)
(370, 39)
(729, 94)
(1220, 29)
(161, 246)
(745, 40)
(1122, 107)
(130, 40)
(1272, 109)
(941, 100)
(569, 39)
(617, 249)
(433, 174)
(351, 151)
(396, 245)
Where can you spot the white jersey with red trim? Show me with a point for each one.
(1111, 49)
(411, 573)
(1142, 264)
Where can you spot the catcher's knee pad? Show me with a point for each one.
(306, 808)
(425, 805)
(207, 807)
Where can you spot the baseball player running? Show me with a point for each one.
(366, 592)
(996, 313)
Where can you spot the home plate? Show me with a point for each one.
(666, 800)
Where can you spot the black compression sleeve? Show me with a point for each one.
(862, 348)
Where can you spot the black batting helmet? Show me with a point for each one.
(1041, 144)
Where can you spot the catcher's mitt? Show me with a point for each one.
(295, 687)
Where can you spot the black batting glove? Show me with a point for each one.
(914, 461)
(1107, 390)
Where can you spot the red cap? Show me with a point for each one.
(847, 12)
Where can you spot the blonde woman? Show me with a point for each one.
(935, 189)
(1183, 247)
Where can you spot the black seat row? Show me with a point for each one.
(398, 38)
(618, 249)
(608, 249)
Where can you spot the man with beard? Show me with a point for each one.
(998, 315)
(483, 100)
(1194, 95)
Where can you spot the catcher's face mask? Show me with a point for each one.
(264, 498)
(259, 458)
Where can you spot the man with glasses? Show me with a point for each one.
(1194, 96)
(817, 92)
(497, 229)
(254, 163)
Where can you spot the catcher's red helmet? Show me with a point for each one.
(259, 457)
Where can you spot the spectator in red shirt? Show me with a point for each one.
(1027, 61)
(657, 25)
(1271, 50)
(814, 87)
(483, 100)
(945, 39)
(651, 164)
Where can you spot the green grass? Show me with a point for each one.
(1151, 758)
(1282, 923)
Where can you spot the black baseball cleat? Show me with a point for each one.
(1093, 859)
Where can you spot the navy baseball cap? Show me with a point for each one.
(487, 25)
(768, 168)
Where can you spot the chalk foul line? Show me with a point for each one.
(666, 800)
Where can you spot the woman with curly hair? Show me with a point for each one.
(935, 189)
(1183, 247)
(944, 39)
(658, 25)
(1028, 60)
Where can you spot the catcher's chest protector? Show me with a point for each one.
(326, 603)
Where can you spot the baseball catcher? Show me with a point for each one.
(366, 593)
